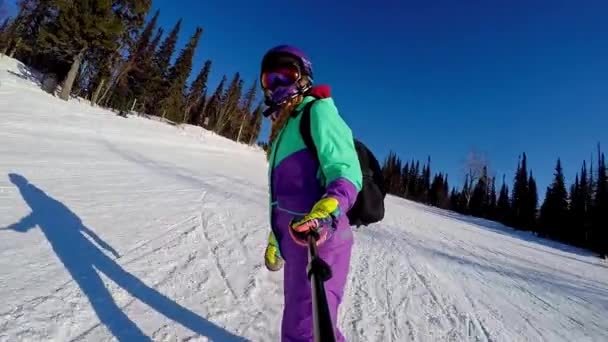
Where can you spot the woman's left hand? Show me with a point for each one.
(320, 221)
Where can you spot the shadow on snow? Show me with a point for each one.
(83, 259)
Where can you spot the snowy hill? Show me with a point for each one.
(132, 229)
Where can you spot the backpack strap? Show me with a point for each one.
(305, 129)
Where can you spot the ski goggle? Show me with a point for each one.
(280, 77)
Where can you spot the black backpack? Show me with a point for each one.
(369, 206)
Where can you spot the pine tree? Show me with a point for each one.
(245, 109)
(392, 173)
(5, 24)
(144, 76)
(479, 199)
(575, 219)
(230, 103)
(492, 201)
(425, 182)
(554, 210)
(145, 37)
(214, 105)
(151, 49)
(173, 104)
(4, 34)
(584, 204)
(446, 193)
(196, 93)
(592, 184)
(600, 209)
(167, 49)
(16, 35)
(396, 177)
(79, 27)
(9, 33)
(250, 96)
(405, 179)
(113, 67)
(417, 182)
(530, 205)
(257, 124)
(439, 195)
(577, 213)
(387, 170)
(436, 189)
(232, 113)
(158, 75)
(464, 196)
(132, 13)
(126, 79)
(412, 185)
(454, 199)
(520, 195)
(41, 12)
(503, 206)
(421, 185)
(201, 108)
(21, 35)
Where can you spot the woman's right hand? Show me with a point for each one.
(320, 221)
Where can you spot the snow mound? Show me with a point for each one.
(132, 229)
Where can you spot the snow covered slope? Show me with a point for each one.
(134, 230)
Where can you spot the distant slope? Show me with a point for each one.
(132, 229)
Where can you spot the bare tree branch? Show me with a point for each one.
(474, 163)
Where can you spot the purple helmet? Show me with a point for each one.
(290, 55)
(288, 51)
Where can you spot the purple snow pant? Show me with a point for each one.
(297, 323)
(295, 189)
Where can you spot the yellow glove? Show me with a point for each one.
(320, 220)
(272, 256)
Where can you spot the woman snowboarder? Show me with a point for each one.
(308, 192)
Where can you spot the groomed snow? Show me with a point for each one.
(133, 230)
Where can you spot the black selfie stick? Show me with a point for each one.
(318, 273)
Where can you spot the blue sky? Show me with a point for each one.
(436, 78)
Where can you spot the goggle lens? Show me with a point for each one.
(283, 76)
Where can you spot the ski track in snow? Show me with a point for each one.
(186, 213)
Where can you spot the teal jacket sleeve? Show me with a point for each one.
(337, 155)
